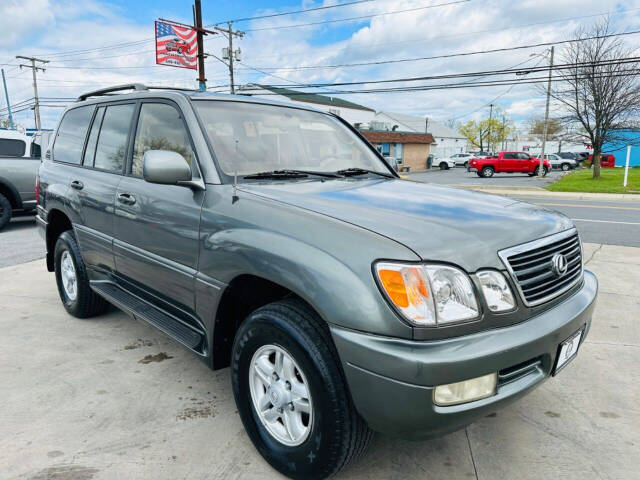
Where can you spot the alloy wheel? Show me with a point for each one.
(280, 395)
(68, 276)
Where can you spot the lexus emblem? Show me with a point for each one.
(559, 264)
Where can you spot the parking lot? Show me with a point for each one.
(112, 398)
(460, 176)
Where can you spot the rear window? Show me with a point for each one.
(71, 134)
(12, 148)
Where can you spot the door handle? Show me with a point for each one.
(126, 198)
(77, 184)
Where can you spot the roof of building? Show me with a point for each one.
(417, 124)
(397, 137)
(311, 97)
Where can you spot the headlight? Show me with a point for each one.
(496, 291)
(428, 295)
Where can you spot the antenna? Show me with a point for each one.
(235, 198)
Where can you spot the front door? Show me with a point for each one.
(157, 226)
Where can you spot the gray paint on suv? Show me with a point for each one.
(225, 263)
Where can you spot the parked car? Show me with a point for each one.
(564, 164)
(606, 160)
(444, 163)
(19, 163)
(508, 162)
(461, 159)
(326, 283)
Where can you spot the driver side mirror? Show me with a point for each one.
(165, 167)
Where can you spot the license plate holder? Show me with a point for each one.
(568, 350)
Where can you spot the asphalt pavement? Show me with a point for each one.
(20, 241)
(459, 176)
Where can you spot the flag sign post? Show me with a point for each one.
(176, 45)
(626, 166)
(181, 45)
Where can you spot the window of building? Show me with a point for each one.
(160, 127)
(397, 150)
(10, 147)
(384, 148)
(71, 134)
(111, 148)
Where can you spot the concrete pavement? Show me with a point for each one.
(111, 398)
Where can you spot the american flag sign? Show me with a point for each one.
(176, 46)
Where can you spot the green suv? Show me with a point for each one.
(274, 239)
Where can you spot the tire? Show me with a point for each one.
(80, 301)
(336, 434)
(6, 211)
(444, 166)
(466, 164)
(479, 174)
(565, 167)
(487, 172)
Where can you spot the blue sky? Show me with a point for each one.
(53, 28)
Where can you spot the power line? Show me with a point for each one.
(450, 55)
(361, 17)
(325, 7)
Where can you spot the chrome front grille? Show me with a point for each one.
(531, 266)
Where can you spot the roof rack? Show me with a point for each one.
(117, 88)
(129, 86)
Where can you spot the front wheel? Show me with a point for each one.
(444, 166)
(291, 393)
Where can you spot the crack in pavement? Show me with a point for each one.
(473, 462)
(594, 253)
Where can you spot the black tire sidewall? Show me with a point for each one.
(7, 211)
(565, 167)
(443, 166)
(313, 458)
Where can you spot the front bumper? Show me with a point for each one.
(392, 380)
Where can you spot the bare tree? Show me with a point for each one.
(600, 91)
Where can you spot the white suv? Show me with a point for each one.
(461, 159)
(557, 161)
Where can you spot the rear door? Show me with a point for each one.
(157, 226)
(509, 162)
(93, 187)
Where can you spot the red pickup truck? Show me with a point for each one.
(507, 162)
(606, 160)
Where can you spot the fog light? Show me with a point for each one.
(466, 391)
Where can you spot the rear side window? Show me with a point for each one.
(160, 127)
(111, 148)
(12, 148)
(509, 156)
(71, 134)
(90, 151)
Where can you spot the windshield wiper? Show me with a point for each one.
(291, 174)
(350, 172)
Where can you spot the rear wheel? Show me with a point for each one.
(5, 211)
(487, 172)
(72, 279)
(565, 167)
(291, 393)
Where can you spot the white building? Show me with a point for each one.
(447, 140)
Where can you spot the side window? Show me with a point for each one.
(12, 148)
(160, 127)
(90, 151)
(509, 156)
(111, 148)
(523, 156)
(71, 134)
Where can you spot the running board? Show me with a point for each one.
(172, 326)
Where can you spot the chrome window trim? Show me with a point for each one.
(541, 242)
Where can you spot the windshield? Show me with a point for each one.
(251, 138)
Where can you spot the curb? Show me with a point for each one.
(541, 192)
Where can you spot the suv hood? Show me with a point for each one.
(438, 223)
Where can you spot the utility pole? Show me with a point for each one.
(546, 117)
(503, 134)
(6, 94)
(202, 81)
(426, 125)
(231, 54)
(34, 68)
(489, 129)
